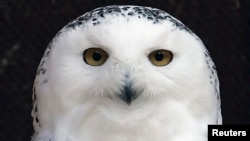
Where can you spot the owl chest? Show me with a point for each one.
(132, 131)
(149, 125)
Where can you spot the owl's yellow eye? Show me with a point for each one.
(160, 57)
(95, 56)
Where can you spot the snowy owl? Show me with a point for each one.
(125, 73)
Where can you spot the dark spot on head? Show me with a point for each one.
(45, 81)
(131, 13)
(43, 70)
(212, 72)
(78, 23)
(71, 25)
(36, 119)
(96, 23)
(206, 54)
(81, 18)
(35, 109)
(102, 15)
(125, 8)
(214, 67)
(150, 18)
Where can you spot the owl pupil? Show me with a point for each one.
(159, 56)
(96, 56)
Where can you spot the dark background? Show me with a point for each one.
(27, 26)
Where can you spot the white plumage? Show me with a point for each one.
(125, 73)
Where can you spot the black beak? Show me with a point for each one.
(128, 94)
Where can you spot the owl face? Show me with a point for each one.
(125, 58)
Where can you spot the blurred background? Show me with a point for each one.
(27, 27)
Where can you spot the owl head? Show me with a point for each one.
(125, 59)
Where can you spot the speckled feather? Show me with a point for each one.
(97, 17)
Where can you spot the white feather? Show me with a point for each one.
(79, 102)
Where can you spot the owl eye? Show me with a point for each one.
(160, 57)
(95, 56)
